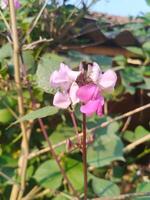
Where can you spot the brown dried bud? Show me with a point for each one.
(69, 145)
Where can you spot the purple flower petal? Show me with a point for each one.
(91, 107)
(88, 92)
(4, 4)
(73, 93)
(17, 4)
(94, 72)
(108, 81)
(63, 78)
(61, 100)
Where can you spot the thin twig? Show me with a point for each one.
(32, 193)
(125, 196)
(126, 124)
(131, 146)
(5, 22)
(24, 147)
(46, 149)
(52, 152)
(73, 118)
(132, 112)
(35, 22)
(36, 43)
(8, 178)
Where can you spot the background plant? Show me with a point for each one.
(114, 167)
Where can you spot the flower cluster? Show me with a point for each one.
(4, 4)
(86, 86)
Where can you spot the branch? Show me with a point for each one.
(132, 112)
(35, 22)
(24, 147)
(36, 43)
(5, 21)
(131, 146)
(125, 196)
(45, 150)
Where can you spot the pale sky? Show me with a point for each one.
(119, 7)
(122, 7)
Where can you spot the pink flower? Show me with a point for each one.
(92, 100)
(105, 81)
(64, 79)
(91, 93)
(4, 4)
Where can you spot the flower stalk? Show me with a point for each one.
(84, 157)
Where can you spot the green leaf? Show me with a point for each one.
(104, 188)
(28, 58)
(74, 171)
(148, 2)
(139, 132)
(120, 60)
(5, 51)
(146, 46)
(136, 50)
(5, 116)
(48, 175)
(39, 113)
(143, 187)
(146, 85)
(106, 148)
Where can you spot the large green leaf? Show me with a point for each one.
(139, 132)
(48, 175)
(143, 187)
(104, 188)
(74, 171)
(39, 113)
(106, 148)
(5, 51)
(148, 2)
(136, 50)
(146, 46)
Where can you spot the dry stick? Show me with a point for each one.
(24, 147)
(131, 146)
(45, 150)
(36, 43)
(50, 146)
(5, 22)
(124, 115)
(34, 191)
(75, 127)
(56, 158)
(125, 196)
(8, 178)
(35, 22)
(126, 124)
(84, 157)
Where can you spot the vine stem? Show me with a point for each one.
(45, 134)
(52, 151)
(84, 156)
(22, 164)
(73, 118)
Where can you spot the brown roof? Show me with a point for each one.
(113, 19)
